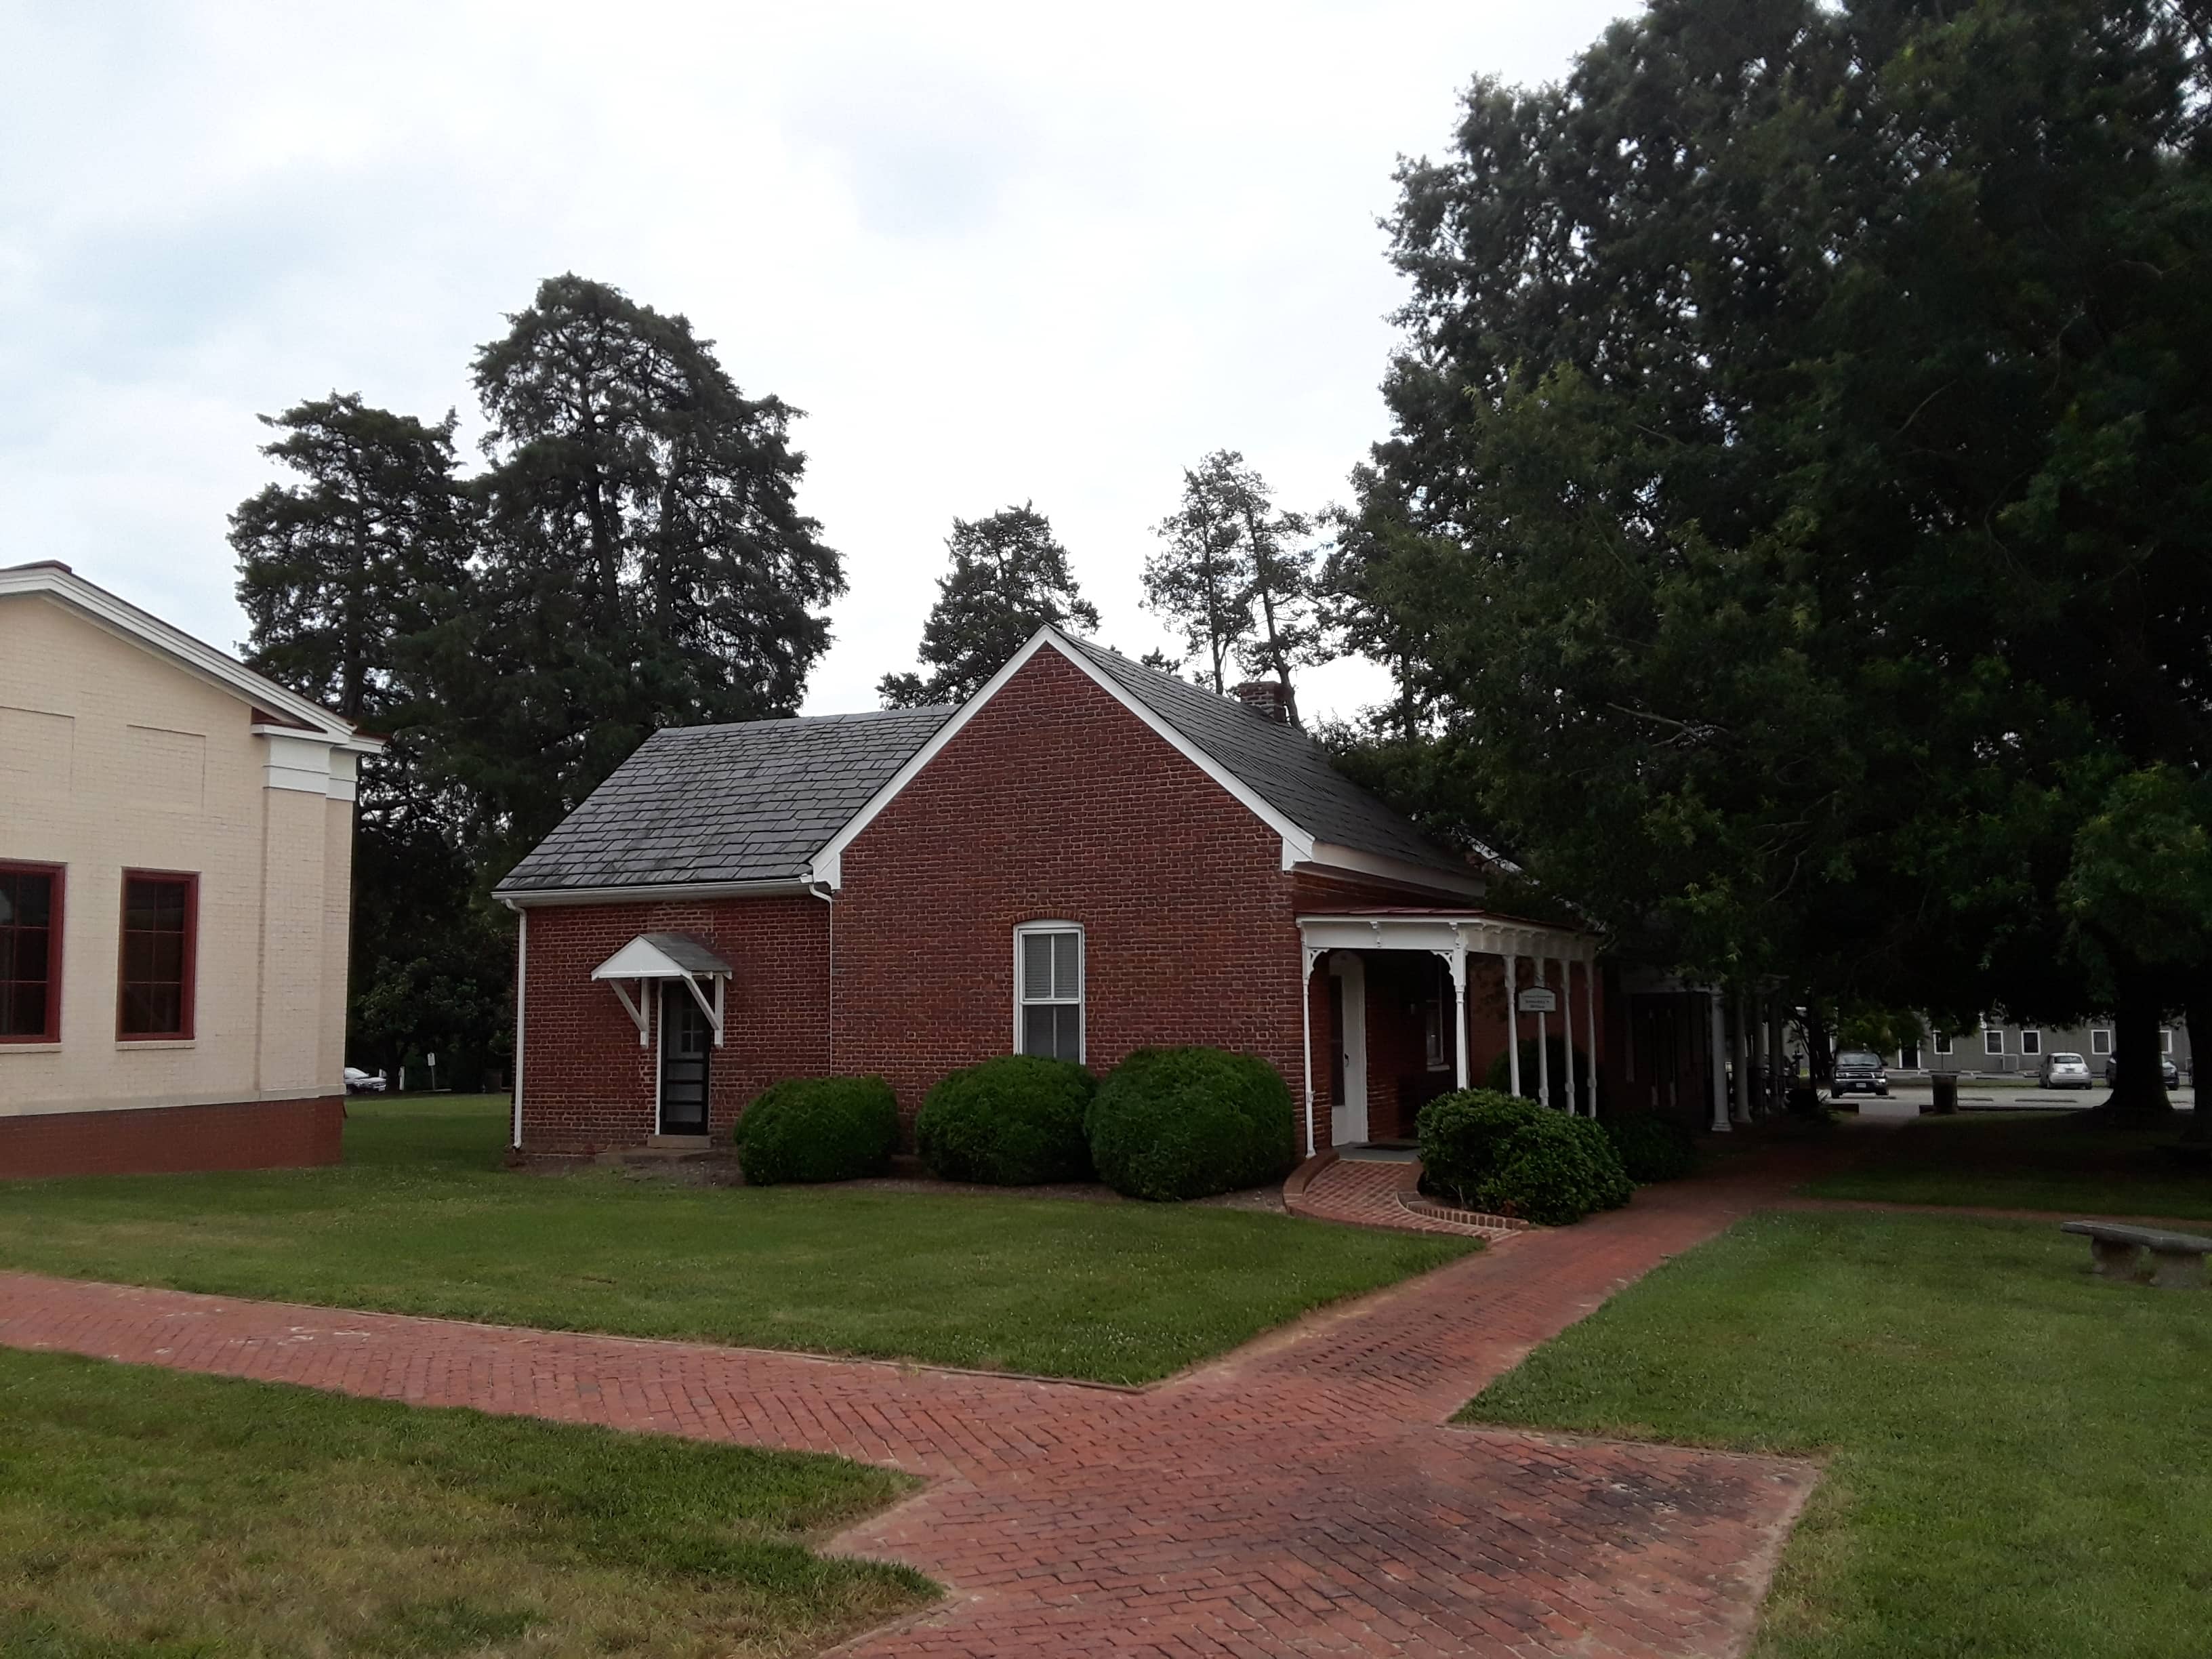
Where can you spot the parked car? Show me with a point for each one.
(2167, 1069)
(358, 1082)
(1858, 1072)
(2065, 1071)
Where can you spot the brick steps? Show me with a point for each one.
(1328, 1187)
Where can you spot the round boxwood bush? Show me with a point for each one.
(818, 1128)
(1554, 1170)
(1012, 1122)
(1460, 1135)
(1174, 1123)
(1651, 1147)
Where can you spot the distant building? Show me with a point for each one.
(2008, 1050)
(176, 856)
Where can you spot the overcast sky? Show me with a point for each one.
(997, 253)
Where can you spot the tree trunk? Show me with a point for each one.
(2139, 1095)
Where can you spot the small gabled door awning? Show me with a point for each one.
(665, 956)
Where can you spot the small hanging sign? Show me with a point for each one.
(1540, 1000)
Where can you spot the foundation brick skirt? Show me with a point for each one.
(246, 1135)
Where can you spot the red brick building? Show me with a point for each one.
(1085, 858)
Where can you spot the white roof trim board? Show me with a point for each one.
(59, 583)
(1299, 845)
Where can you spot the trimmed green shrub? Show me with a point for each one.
(1460, 1134)
(818, 1128)
(1554, 1170)
(1012, 1122)
(1651, 1147)
(1175, 1123)
(1500, 1074)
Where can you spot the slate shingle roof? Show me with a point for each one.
(756, 801)
(749, 802)
(1280, 764)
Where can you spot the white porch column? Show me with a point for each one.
(1567, 1024)
(1778, 1020)
(1739, 1050)
(1543, 1047)
(1459, 1009)
(1305, 1022)
(1513, 1020)
(1589, 1024)
(1717, 1048)
(1762, 1069)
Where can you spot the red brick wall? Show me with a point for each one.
(1055, 803)
(588, 1085)
(252, 1134)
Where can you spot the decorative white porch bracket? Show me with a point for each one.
(657, 958)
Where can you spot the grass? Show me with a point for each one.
(2026, 1161)
(420, 1219)
(156, 1515)
(2017, 1456)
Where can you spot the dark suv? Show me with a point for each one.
(1858, 1072)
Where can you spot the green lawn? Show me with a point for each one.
(156, 1515)
(2025, 1160)
(420, 1219)
(2018, 1462)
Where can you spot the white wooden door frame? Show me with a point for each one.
(1348, 1123)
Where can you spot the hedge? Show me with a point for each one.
(1178, 1123)
(1651, 1147)
(1499, 1153)
(1014, 1122)
(818, 1128)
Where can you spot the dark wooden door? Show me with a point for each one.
(686, 1042)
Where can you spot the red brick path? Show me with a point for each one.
(1299, 1497)
(1381, 1195)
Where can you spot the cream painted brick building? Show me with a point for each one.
(176, 839)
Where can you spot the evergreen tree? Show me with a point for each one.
(1009, 576)
(1236, 574)
(645, 562)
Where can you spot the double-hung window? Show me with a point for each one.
(2031, 1041)
(30, 953)
(1048, 990)
(1993, 1041)
(154, 993)
(2100, 1041)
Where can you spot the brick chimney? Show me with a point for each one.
(1265, 697)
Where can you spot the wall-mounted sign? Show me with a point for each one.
(1540, 1000)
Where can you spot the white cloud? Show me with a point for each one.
(998, 253)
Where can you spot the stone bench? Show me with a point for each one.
(2116, 1252)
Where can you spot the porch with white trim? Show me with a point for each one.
(660, 957)
(1452, 936)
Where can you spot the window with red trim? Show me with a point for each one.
(160, 917)
(30, 952)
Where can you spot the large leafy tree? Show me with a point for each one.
(345, 571)
(1799, 477)
(644, 564)
(1196, 579)
(1009, 576)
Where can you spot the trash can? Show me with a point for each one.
(1946, 1096)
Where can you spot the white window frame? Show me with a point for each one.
(1997, 1031)
(1942, 1039)
(2100, 1042)
(1912, 1064)
(2031, 1041)
(1080, 1001)
(2166, 1040)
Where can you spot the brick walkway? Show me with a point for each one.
(1300, 1496)
(1381, 1194)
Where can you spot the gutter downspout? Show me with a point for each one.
(827, 895)
(521, 1004)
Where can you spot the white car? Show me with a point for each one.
(358, 1082)
(2065, 1072)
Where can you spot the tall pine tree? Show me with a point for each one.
(1009, 576)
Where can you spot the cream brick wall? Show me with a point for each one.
(114, 756)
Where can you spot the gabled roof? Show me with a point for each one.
(662, 956)
(272, 705)
(1280, 763)
(747, 803)
(773, 804)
